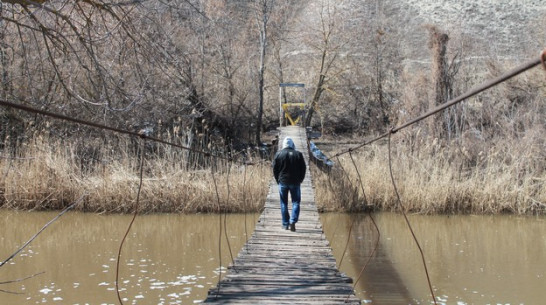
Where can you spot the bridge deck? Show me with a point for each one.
(278, 266)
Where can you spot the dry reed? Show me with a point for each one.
(48, 174)
(508, 178)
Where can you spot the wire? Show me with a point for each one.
(408, 222)
(220, 229)
(105, 127)
(376, 246)
(246, 208)
(131, 223)
(71, 206)
(514, 72)
(225, 220)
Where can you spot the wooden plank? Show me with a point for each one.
(278, 266)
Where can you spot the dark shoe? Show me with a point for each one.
(293, 227)
(285, 227)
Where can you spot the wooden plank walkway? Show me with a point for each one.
(278, 266)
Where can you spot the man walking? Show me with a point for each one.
(289, 170)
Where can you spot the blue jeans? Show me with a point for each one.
(295, 194)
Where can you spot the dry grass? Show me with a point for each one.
(508, 178)
(48, 174)
(492, 160)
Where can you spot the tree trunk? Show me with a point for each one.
(265, 10)
(261, 91)
(442, 125)
(314, 101)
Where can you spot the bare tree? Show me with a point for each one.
(328, 49)
(263, 10)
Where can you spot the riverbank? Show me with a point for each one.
(432, 178)
(47, 175)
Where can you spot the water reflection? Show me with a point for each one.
(173, 259)
(471, 259)
(167, 259)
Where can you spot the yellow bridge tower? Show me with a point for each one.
(291, 112)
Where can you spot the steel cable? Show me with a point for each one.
(225, 219)
(376, 246)
(408, 222)
(220, 229)
(491, 83)
(68, 208)
(140, 134)
(130, 223)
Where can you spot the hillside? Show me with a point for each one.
(501, 29)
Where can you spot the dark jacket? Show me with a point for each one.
(289, 166)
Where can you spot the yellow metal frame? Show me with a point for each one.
(287, 115)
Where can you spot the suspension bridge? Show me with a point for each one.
(279, 266)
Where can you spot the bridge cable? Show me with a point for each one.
(225, 219)
(369, 214)
(352, 222)
(376, 246)
(220, 223)
(17, 281)
(359, 178)
(246, 208)
(137, 204)
(220, 228)
(139, 134)
(407, 220)
(479, 89)
(69, 207)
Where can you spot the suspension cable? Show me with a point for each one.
(137, 203)
(220, 229)
(376, 246)
(491, 83)
(105, 127)
(69, 207)
(225, 219)
(408, 222)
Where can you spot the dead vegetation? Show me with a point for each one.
(203, 73)
(47, 174)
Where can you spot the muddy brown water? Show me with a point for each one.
(173, 259)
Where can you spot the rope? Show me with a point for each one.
(359, 178)
(17, 281)
(225, 220)
(352, 222)
(131, 223)
(105, 127)
(376, 246)
(479, 89)
(220, 228)
(408, 222)
(70, 207)
(246, 209)
(346, 243)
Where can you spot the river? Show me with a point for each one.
(173, 259)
